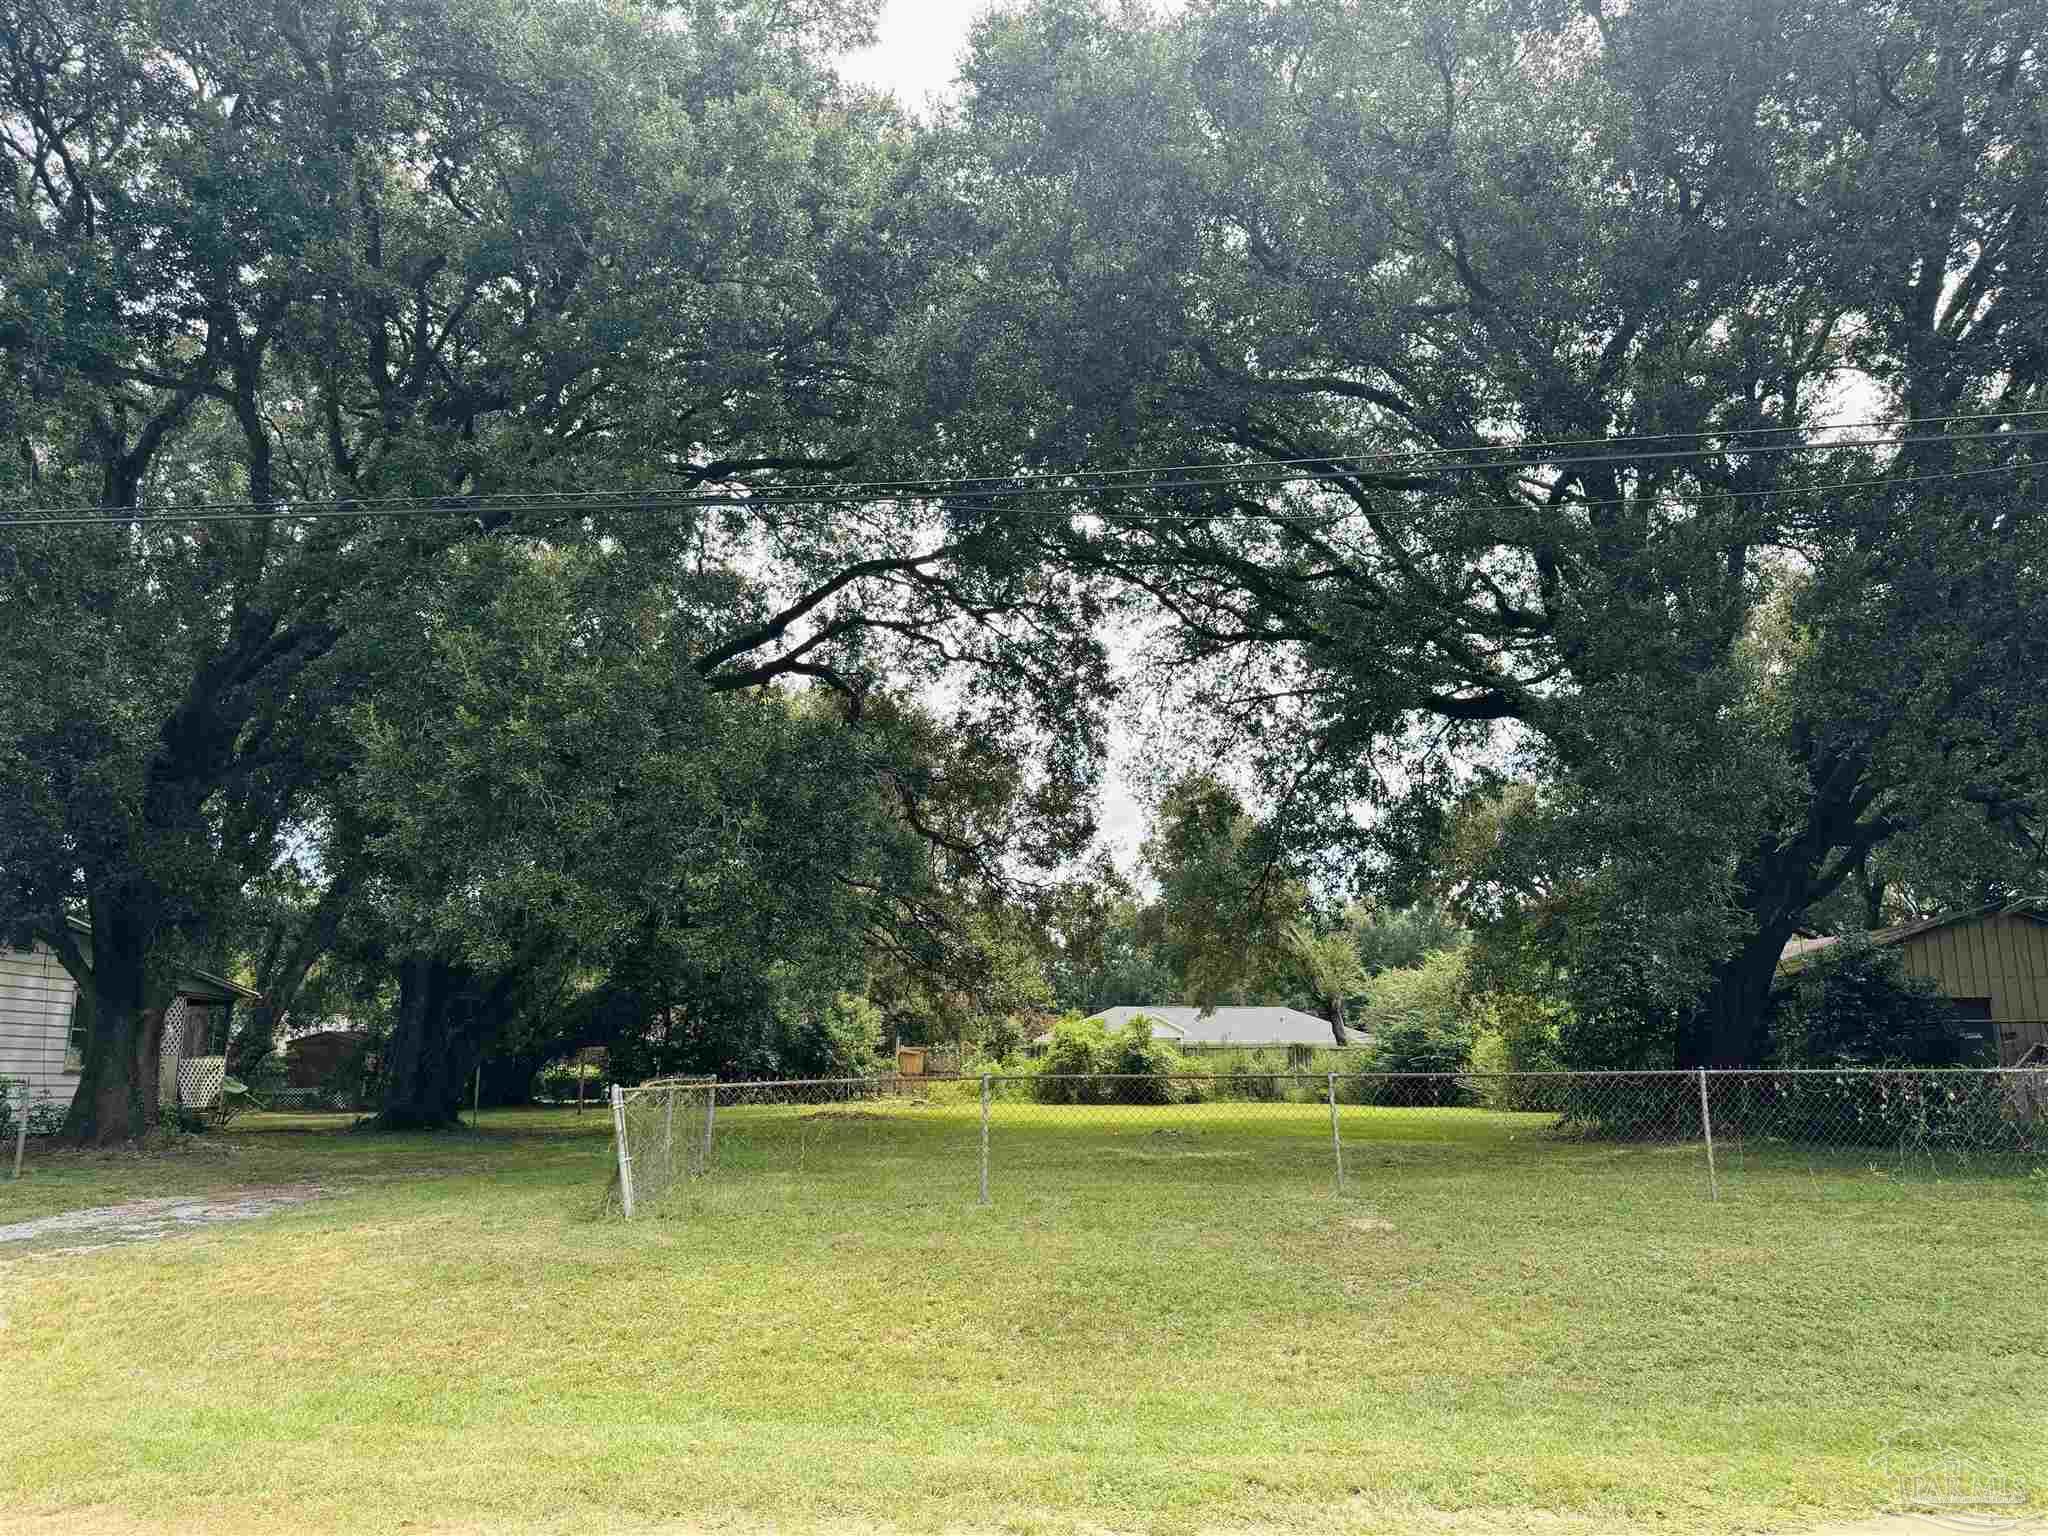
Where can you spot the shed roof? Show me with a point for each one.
(209, 987)
(1227, 1026)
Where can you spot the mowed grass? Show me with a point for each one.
(1167, 1320)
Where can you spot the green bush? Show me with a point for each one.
(1272, 1074)
(1000, 1036)
(1626, 1107)
(1418, 1016)
(1910, 1110)
(1085, 1064)
(45, 1115)
(1239, 1076)
(844, 1039)
(1854, 1005)
(1073, 1055)
(557, 1081)
(1144, 1067)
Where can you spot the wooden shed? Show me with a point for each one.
(1993, 963)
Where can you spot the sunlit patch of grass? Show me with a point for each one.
(1144, 1331)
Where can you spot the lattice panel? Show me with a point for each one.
(199, 1080)
(172, 1048)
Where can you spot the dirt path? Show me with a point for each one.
(144, 1221)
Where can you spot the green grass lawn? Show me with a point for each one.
(1168, 1319)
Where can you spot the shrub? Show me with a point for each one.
(1854, 1005)
(1656, 1107)
(1073, 1055)
(1240, 1076)
(1081, 1052)
(1912, 1110)
(844, 1039)
(1143, 1065)
(1418, 1017)
(1000, 1037)
(45, 1115)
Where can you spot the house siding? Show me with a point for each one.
(35, 1016)
(2002, 957)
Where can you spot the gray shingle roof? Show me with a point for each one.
(1229, 1026)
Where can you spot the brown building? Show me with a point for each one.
(1992, 962)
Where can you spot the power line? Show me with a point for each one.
(1025, 483)
(583, 503)
(1241, 474)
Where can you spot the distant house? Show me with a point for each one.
(42, 1039)
(1192, 1029)
(1993, 964)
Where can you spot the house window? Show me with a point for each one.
(74, 1040)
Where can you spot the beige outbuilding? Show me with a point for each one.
(1992, 962)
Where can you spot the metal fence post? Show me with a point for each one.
(1707, 1127)
(710, 1114)
(1336, 1140)
(984, 1138)
(668, 1133)
(21, 1129)
(625, 1157)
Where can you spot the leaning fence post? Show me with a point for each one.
(984, 1138)
(1707, 1127)
(710, 1114)
(625, 1157)
(21, 1129)
(1336, 1141)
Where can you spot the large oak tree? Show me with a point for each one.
(455, 249)
(1667, 241)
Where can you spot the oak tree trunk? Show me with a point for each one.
(1731, 1025)
(428, 1060)
(117, 1092)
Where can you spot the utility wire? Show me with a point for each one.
(1506, 456)
(1241, 474)
(655, 501)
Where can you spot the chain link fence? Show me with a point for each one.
(686, 1144)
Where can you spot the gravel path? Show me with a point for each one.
(144, 1221)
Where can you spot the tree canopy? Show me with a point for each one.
(596, 524)
(481, 254)
(1492, 333)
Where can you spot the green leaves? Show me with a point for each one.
(1376, 243)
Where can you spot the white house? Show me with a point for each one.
(41, 1038)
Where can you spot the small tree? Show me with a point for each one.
(1420, 1023)
(1329, 966)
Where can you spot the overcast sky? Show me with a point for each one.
(920, 39)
